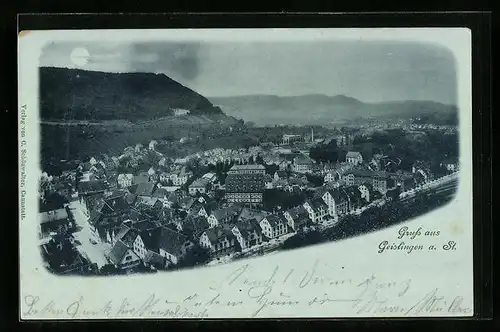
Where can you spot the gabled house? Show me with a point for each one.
(337, 202)
(297, 217)
(274, 225)
(150, 206)
(331, 176)
(162, 195)
(187, 202)
(152, 144)
(144, 225)
(130, 237)
(107, 215)
(167, 215)
(198, 210)
(285, 165)
(98, 170)
(138, 147)
(193, 227)
(91, 188)
(166, 242)
(163, 162)
(248, 233)
(55, 221)
(354, 195)
(124, 180)
(153, 259)
(173, 198)
(296, 184)
(143, 189)
(220, 240)
(317, 209)
(164, 178)
(354, 157)
(123, 257)
(210, 176)
(248, 213)
(302, 164)
(365, 189)
(224, 216)
(199, 186)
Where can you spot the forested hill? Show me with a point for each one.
(322, 109)
(74, 94)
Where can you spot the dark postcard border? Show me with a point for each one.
(480, 25)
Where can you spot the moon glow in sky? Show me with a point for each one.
(80, 56)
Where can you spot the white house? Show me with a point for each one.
(124, 180)
(331, 176)
(152, 144)
(199, 186)
(222, 216)
(163, 162)
(220, 240)
(365, 189)
(317, 209)
(274, 225)
(450, 164)
(212, 177)
(302, 164)
(179, 178)
(297, 217)
(151, 171)
(198, 210)
(122, 257)
(164, 177)
(248, 233)
(337, 202)
(354, 158)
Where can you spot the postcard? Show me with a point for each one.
(245, 173)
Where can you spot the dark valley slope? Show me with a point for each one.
(322, 109)
(73, 94)
(87, 113)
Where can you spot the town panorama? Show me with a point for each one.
(140, 174)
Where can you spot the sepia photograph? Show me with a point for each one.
(158, 156)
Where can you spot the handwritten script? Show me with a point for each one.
(289, 291)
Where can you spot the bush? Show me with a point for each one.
(109, 269)
(196, 255)
(303, 239)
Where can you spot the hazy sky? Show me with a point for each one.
(369, 71)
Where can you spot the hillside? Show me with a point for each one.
(61, 141)
(321, 109)
(85, 113)
(89, 95)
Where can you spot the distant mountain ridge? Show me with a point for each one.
(319, 108)
(74, 94)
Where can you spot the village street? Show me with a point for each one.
(94, 252)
